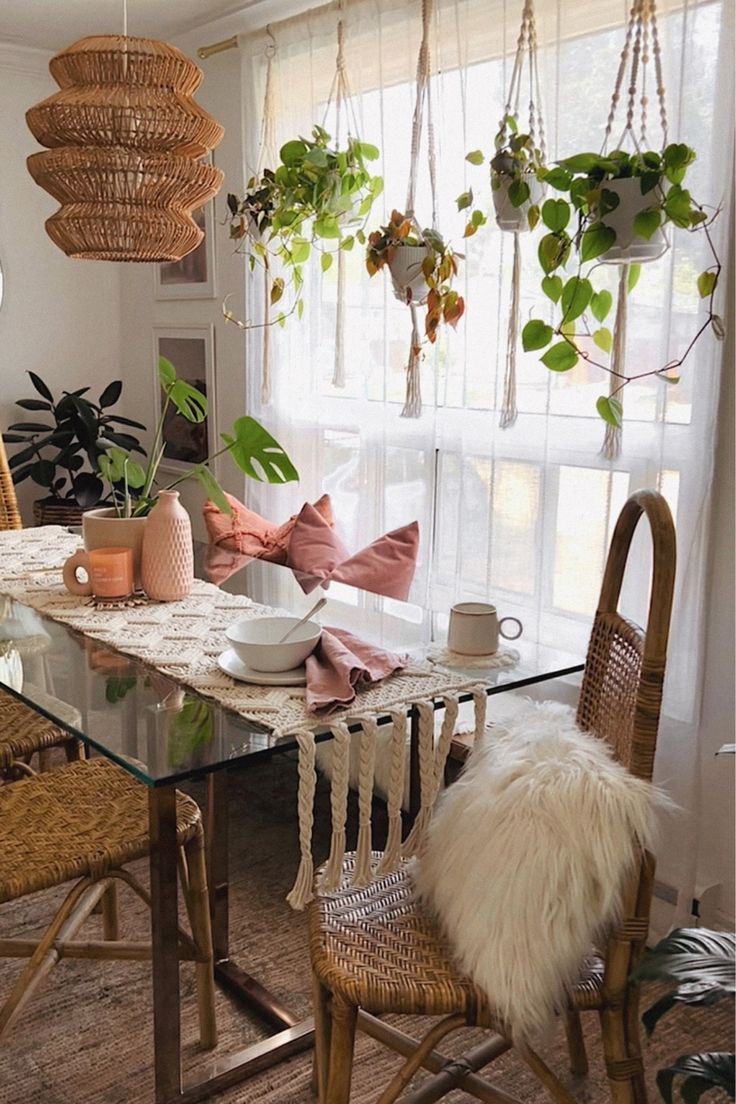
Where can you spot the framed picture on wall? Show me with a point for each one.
(193, 277)
(191, 350)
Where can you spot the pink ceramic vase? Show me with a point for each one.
(167, 558)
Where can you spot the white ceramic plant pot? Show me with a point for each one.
(102, 528)
(629, 248)
(508, 217)
(406, 273)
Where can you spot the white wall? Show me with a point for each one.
(59, 317)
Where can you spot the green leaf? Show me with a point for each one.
(166, 372)
(575, 297)
(368, 151)
(703, 1072)
(212, 488)
(559, 179)
(633, 279)
(111, 394)
(300, 250)
(325, 261)
(553, 251)
(465, 199)
(293, 152)
(252, 444)
(189, 402)
(581, 162)
(610, 410)
(327, 227)
(555, 214)
(668, 379)
(43, 472)
(518, 192)
(707, 283)
(600, 304)
(134, 474)
(475, 157)
(88, 489)
(532, 215)
(300, 308)
(552, 287)
(536, 335)
(603, 339)
(596, 240)
(347, 243)
(33, 404)
(646, 223)
(41, 387)
(561, 357)
(677, 206)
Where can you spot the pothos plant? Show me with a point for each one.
(438, 268)
(317, 198)
(134, 487)
(516, 164)
(579, 234)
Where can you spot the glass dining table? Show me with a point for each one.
(164, 733)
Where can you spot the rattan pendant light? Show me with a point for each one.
(125, 142)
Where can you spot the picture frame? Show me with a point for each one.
(191, 350)
(193, 277)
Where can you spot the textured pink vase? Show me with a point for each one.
(167, 558)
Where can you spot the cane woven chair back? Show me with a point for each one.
(9, 512)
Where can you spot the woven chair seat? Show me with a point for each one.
(380, 950)
(79, 820)
(23, 731)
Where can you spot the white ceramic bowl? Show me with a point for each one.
(256, 642)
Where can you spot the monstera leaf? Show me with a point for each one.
(700, 962)
(258, 454)
(702, 1072)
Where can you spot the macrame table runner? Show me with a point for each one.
(183, 640)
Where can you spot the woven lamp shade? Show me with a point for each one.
(124, 144)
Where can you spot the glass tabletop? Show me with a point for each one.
(163, 732)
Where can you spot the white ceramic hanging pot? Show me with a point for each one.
(508, 217)
(406, 273)
(629, 247)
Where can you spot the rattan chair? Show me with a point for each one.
(9, 512)
(84, 822)
(374, 950)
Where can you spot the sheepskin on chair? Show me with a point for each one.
(526, 858)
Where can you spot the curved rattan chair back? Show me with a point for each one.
(9, 513)
(621, 694)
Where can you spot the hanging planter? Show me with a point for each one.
(515, 216)
(616, 208)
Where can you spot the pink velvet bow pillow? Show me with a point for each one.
(386, 566)
(247, 532)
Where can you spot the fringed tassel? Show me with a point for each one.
(426, 777)
(332, 873)
(397, 771)
(266, 352)
(508, 410)
(338, 373)
(302, 893)
(366, 772)
(480, 705)
(413, 401)
(611, 448)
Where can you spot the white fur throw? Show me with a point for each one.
(526, 858)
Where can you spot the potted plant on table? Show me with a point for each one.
(60, 451)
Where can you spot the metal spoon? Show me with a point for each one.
(315, 609)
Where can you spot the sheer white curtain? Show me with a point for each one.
(522, 515)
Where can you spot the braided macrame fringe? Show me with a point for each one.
(338, 373)
(266, 350)
(339, 806)
(611, 448)
(431, 766)
(366, 773)
(397, 772)
(508, 410)
(302, 893)
(413, 401)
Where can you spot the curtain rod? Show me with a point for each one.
(218, 47)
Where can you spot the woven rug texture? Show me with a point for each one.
(85, 1038)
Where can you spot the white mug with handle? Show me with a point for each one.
(475, 628)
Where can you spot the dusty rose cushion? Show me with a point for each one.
(247, 532)
(386, 566)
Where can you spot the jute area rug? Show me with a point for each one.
(86, 1036)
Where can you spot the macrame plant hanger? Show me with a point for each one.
(413, 401)
(526, 52)
(341, 95)
(267, 155)
(641, 34)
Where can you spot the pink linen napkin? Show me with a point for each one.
(340, 664)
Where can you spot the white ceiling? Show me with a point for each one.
(54, 24)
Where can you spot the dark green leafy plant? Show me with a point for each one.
(134, 487)
(577, 232)
(701, 965)
(516, 161)
(190, 727)
(317, 197)
(62, 452)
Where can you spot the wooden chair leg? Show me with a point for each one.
(621, 1069)
(322, 1033)
(197, 900)
(110, 914)
(633, 1044)
(576, 1043)
(541, 1070)
(342, 1043)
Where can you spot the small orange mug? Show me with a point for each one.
(109, 572)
